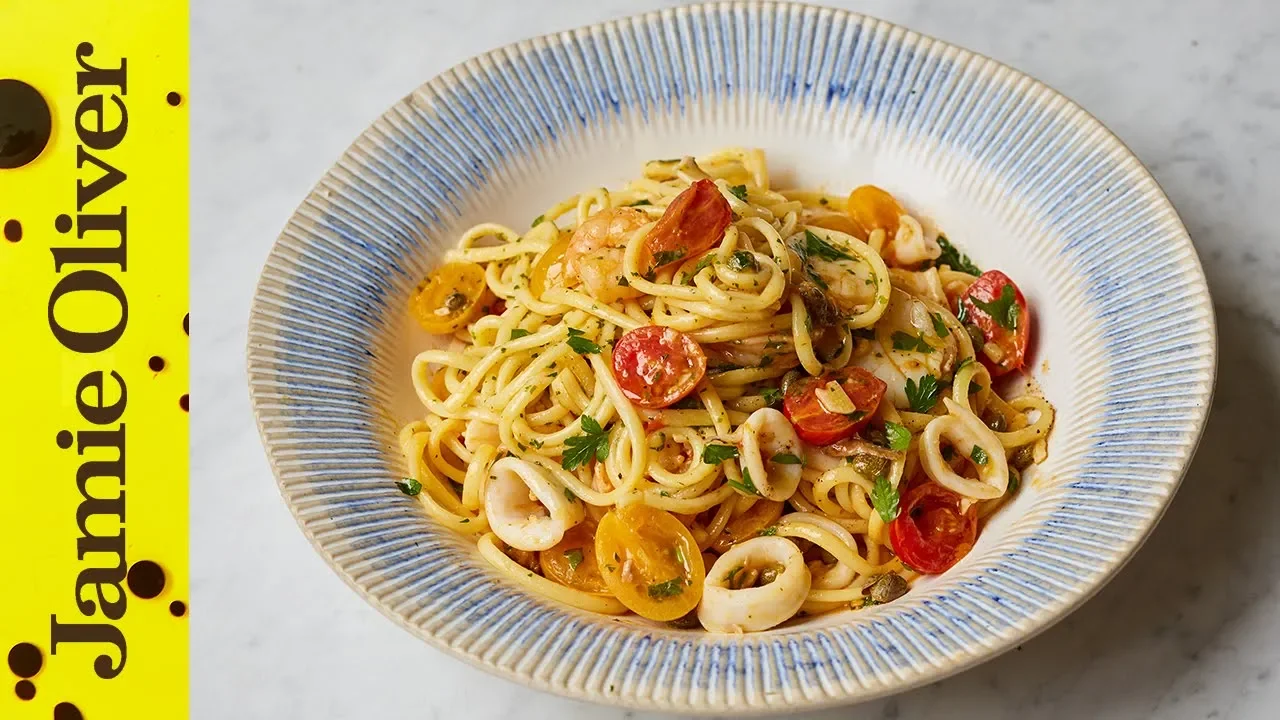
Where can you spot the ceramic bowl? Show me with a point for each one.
(1017, 175)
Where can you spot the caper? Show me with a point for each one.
(768, 575)
(997, 422)
(869, 466)
(1023, 457)
(455, 302)
(789, 378)
(888, 587)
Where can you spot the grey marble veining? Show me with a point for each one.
(1189, 629)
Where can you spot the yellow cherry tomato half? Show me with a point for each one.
(572, 562)
(450, 297)
(538, 274)
(872, 208)
(650, 562)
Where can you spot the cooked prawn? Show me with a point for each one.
(595, 251)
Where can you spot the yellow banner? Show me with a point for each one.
(93, 357)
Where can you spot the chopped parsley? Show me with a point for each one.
(1015, 480)
(593, 442)
(409, 486)
(884, 498)
(715, 454)
(953, 257)
(939, 326)
(903, 341)
(519, 333)
(739, 191)
(787, 459)
(667, 589)
(622, 282)
(1004, 309)
(899, 436)
(535, 444)
(771, 396)
(742, 260)
(963, 362)
(666, 257)
(580, 344)
(570, 495)
(639, 203)
(538, 221)
(771, 530)
(978, 455)
(574, 557)
(746, 486)
(815, 246)
(924, 395)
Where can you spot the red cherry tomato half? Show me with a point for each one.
(931, 534)
(995, 305)
(814, 424)
(658, 366)
(693, 223)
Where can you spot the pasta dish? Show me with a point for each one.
(718, 404)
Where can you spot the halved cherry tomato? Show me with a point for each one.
(694, 222)
(658, 366)
(813, 423)
(872, 208)
(995, 305)
(572, 561)
(931, 534)
(538, 274)
(450, 297)
(649, 561)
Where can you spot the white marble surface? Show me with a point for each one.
(1190, 629)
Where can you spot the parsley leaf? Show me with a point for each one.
(667, 589)
(1004, 309)
(903, 341)
(742, 260)
(956, 259)
(409, 486)
(593, 442)
(815, 246)
(939, 326)
(716, 454)
(665, 257)
(787, 459)
(519, 333)
(923, 396)
(746, 485)
(978, 455)
(739, 191)
(580, 344)
(884, 498)
(771, 396)
(575, 558)
(899, 436)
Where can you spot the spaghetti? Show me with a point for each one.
(714, 403)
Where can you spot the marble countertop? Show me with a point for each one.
(1189, 629)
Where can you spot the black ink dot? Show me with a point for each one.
(12, 230)
(25, 660)
(66, 711)
(185, 403)
(177, 608)
(65, 439)
(62, 223)
(156, 363)
(173, 99)
(25, 124)
(145, 579)
(25, 689)
(186, 319)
